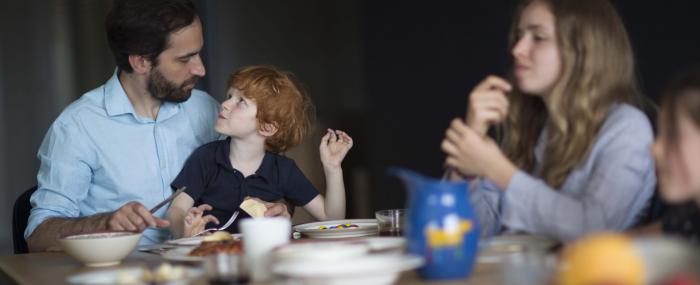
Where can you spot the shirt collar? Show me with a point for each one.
(117, 102)
(224, 149)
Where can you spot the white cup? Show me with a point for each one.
(260, 236)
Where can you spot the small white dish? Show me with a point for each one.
(365, 227)
(373, 269)
(125, 275)
(195, 241)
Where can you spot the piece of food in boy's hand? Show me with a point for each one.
(219, 236)
(253, 207)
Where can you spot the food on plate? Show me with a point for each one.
(164, 273)
(229, 246)
(253, 207)
(218, 236)
(341, 226)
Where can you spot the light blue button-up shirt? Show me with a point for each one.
(100, 154)
(606, 191)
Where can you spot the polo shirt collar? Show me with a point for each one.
(224, 149)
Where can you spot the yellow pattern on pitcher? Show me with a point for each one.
(447, 237)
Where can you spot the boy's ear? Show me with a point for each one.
(140, 64)
(267, 129)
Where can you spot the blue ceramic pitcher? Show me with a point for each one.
(441, 225)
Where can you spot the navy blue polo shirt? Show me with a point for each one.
(210, 179)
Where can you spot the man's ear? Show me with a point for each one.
(140, 64)
(267, 129)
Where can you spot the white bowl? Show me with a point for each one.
(100, 249)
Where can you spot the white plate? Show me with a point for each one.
(182, 254)
(194, 241)
(320, 250)
(365, 227)
(113, 276)
(373, 269)
(497, 248)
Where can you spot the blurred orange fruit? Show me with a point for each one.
(606, 258)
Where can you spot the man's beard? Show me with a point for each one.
(164, 89)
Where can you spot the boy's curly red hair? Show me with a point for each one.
(281, 101)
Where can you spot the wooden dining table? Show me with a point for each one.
(55, 267)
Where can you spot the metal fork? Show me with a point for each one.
(225, 226)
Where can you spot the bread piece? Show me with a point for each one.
(219, 236)
(254, 208)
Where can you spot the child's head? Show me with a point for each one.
(572, 62)
(263, 100)
(567, 48)
(677, 146)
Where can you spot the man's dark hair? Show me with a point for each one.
(143, 27)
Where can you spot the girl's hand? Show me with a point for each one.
(488, 104)
(474, 154)
(334, 146)
(195, 221)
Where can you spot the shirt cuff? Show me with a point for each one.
(36, 218)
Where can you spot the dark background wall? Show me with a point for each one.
(392, 73)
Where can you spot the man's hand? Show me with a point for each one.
(277, 209)
(133, 217)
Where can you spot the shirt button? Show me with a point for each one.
(162, 165)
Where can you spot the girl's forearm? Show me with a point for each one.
(501, 172)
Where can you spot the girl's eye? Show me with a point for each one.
(241, 101)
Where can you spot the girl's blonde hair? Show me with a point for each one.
(597, 72)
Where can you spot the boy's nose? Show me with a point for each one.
(226, 105)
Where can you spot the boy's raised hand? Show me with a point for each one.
(195, 221)
(334, 146)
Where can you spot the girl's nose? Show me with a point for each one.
(521, 48)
